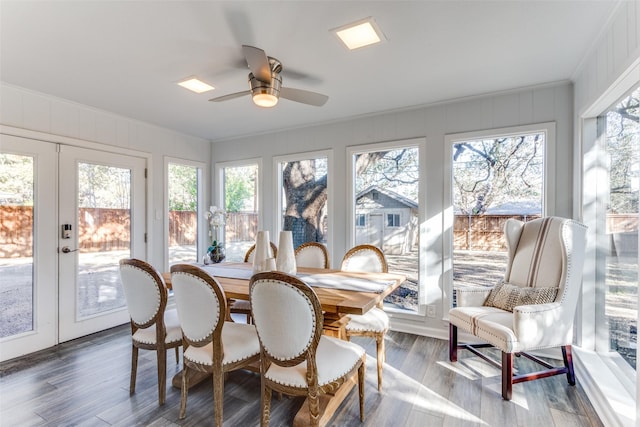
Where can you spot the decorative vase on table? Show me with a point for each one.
(217, 219)
(286, 259)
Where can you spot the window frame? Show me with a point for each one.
(427, 280)
(202, 171)
(548, 197)
(277, 180)
(220, 190)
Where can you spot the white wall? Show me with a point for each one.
(533, 105)
(79, 124)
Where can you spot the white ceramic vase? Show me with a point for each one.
(261, 255)
(286, 259)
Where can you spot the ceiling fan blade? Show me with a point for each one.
(230, 96)
(303, 96)
(258, 63)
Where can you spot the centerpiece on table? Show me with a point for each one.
(217, 218)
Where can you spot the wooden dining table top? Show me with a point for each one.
(333, 300)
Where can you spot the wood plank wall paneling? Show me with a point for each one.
(86, 382)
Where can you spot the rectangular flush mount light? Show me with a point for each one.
(359, 34)
(195, 85)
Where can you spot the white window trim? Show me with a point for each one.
(604, 382)
(277, 170)
(203, 236)
(219, 182)
(426, 280)
(549, 196)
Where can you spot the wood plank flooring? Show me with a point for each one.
(85, 382)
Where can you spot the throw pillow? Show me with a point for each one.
(505, 296)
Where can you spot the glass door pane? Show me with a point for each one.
(16, 244)
(104, 232)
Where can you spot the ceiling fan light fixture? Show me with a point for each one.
(265, 100)
(195, 85)
(359, 34)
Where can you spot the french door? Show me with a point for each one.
(67, 216)
(102, 207)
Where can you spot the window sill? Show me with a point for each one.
(608, 386)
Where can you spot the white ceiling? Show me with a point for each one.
(126, 56)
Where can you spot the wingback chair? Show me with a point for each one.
(533, 307)
(152, 327)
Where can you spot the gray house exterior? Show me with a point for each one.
(386, 219)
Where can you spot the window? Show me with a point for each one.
(387, 177)
(393, 220)
(494, 175)
(617, 304)
(239, 189)
(304, 196)
(184, 195)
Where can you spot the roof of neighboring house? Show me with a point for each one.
(389, 193)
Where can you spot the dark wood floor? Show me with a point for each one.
(85, 383)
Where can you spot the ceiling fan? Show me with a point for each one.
(265, 82)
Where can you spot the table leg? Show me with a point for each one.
(334, 325)
(329, 403)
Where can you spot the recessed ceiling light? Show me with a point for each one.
(195, 85)
(359, 34)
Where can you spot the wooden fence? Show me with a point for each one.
(108, 229)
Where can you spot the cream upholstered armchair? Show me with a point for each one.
(534, 307)
(296, 358)
(152, 327)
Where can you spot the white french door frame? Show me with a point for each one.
(9, 347)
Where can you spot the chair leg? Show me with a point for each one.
(134, 369)
(568, 363)
(183, 392)
(361, 371)
(380, 354)
(265, 398)
(314, 407)
(218, 395)
(507, 375)
(453, 343)
(177, 354)
(161, 354)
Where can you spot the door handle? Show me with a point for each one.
(66, 250)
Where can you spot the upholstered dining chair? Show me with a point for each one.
(533, 307)
(152, 327)
(312, 254)
(242, 306)
(210, 344)
(375, 322)
(295, 357)
(248, 256)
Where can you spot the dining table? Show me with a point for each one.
(340, 293)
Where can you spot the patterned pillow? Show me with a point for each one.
(506, 296)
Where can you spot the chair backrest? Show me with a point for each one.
(312, 254)
(288, 318)
(546, 252)
(144, 291)
(201, 304)
(367, 258)
(248, 256)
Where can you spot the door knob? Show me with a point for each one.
(66, 250)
